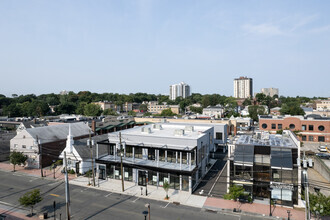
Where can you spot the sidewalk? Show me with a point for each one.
(262, 209)
(14, 213)
(48, 173)
(112, 185)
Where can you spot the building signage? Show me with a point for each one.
(281, 186)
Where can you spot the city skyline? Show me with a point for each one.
(144, 46)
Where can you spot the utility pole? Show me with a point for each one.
(67, 196)
(40, 156)
(91, 143)
(121, 163)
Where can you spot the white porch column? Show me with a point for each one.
(180, 160)
(157, 179)
(157, 158)
(165, 155)
(180, 182)
(176, 157)
(124, 146)
(190, 185)
(133, 154)
(189, 158)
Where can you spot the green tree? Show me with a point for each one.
(31, 198)
(292, 108)
(166, 187)
(132, 113)
(167, 112)
(109, 111)
(247, 102)
(235, 192)
(66, 108)
(260, 97)
(17, 158)
(319, 204)
(92, 110)
(255, 110)
(196, 109)
(81, 108)
(143, 108)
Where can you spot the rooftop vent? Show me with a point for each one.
(163, 120)
(179, 132)
(157, 127)
(146, 130)
(189, 128)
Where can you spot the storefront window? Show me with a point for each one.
(162, 155)
(152, 178)
(174, 181)
(151, 154)
(110, 171)
(185, 183)
(128, 172)
(184, 157)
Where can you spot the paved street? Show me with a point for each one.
(89, 203)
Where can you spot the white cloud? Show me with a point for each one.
(263, 29)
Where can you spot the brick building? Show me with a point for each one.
(313, 128)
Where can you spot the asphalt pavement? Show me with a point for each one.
(89, 203)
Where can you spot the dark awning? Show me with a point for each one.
(281, 158)
(244, 154)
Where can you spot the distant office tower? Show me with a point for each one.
(270, 91)
(243, 87)
(179, 90)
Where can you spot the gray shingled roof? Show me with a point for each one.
(83, 150)
(58, 132)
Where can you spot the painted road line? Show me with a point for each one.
(166, 205)
(50, 184)
(108, 194)
(84, 190)
(135, 199)
(55, 195)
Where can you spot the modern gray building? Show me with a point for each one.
(267, 166)
(153, 154)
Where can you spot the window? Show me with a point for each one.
(273, 126)
(279, 126)
(303, 127)
(321, 128)
(161, 155)
(138, 152)
(129, 151)
(151, 154)
(23, 146)
(171, 156)
(264, 125)
(310, 138)
(292, 126)
(184, 158)
(218, 135)
(15, 145)
(320, 138)
(311, 127)
(193, 158)
(303, 138)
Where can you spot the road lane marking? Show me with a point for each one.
(55, 195)
(108, 194)
(136, 199)
(166, 205)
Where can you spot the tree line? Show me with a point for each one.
(80, 103)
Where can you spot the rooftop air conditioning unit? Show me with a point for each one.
(189, 128)
(179, 132)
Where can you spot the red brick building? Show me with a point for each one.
(313, 128)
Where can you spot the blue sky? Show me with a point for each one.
(144, 46)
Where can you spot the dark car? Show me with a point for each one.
(323, 156)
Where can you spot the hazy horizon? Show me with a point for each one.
(145, 46)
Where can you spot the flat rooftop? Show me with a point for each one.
(272, 140)
(166, 131)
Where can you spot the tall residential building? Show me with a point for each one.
(179, 90)
(243, 87)
(270, 91)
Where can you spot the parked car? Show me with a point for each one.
(322, 149)
(323, 156)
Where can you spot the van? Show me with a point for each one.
(322, 148)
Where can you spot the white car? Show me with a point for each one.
(322, 149)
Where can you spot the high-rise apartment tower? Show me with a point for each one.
(179, 90)
(243, 87)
